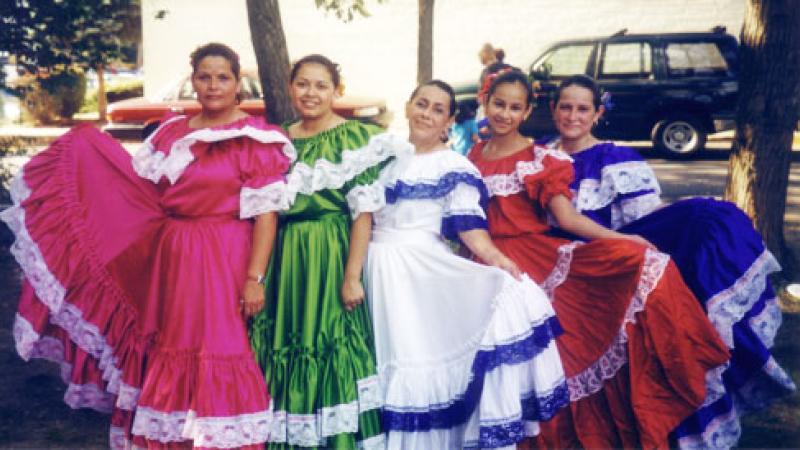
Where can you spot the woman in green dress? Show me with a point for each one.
(314, 338)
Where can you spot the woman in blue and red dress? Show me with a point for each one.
(721, 257)
(636, 347)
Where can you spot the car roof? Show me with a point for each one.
(624, 37)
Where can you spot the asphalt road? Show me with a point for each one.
(706, 175)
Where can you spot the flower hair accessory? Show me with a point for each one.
(605, 100)
(489, 80)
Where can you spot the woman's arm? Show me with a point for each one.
(352, 290)
(479, 242)
(569, 219)
(264, 230)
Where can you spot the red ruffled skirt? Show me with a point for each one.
(636, 348)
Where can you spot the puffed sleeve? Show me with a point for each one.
(633, 184)
(263, 171)
(547, 175)
(464, 205)
(365, 191)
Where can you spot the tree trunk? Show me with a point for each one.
(425, 42)
(767, 114)
(272, 56)
(102, 101)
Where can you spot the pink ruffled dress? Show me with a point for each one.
(133, 275)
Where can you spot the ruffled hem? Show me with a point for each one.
(312, 430)
(153, 164)
(729, 306)
(79, 295)
(306, 180)
(430, 404)
(591, 379)
(205, 432)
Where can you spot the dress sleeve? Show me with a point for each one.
(632, 182)
(464, 206)
(364, 192)
(549, 174)
(263, 168)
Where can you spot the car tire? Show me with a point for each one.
(679, 136)
(149, 129)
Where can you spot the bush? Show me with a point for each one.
(115, 92)
(52, 98)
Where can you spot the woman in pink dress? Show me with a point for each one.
(140, 273)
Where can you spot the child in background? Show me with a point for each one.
(464, 132)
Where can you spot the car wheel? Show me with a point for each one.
(679, 136)
(149, 129)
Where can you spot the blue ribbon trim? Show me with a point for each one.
(442, 187)
(457, 412)
(452, 225)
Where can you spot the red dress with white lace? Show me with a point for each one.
(636, 346)
(134, 269)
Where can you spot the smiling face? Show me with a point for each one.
(574, 112)
(215, 84)
(507, 107)
(428, 114)
(313, 91)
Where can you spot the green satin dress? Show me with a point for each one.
(318, 358)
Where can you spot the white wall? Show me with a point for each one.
(378, 53)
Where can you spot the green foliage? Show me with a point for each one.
(345, 10)
(114, 93)
(49, 33)
(58, 95)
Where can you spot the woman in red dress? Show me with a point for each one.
(637, 347)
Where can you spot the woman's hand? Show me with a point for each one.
(502, 262)
(252, 301)
(639, 240)
(352, 293)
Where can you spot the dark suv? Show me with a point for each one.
(672, 88)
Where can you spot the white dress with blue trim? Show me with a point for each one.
(466, 353)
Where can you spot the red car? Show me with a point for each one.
(142, 116)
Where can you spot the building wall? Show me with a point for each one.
(378, 53)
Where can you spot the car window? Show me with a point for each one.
(626, 60)
(186, 92)
(251, 87)
(565, 61)
(688, 59)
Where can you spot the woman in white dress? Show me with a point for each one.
(465, 351)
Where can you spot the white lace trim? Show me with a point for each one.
(620, 178)
(153, 164)
(722, 432)
(256, 201)
(213, 432)
(31, 345)
(50, 291)
(591, 379)
(118, 440)
(730, 305)
(304, 179)
(561, 269)
(504, 185)
(377, 442)
(311, 430)
(369, 198)
(765, 325)
(630, 209)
